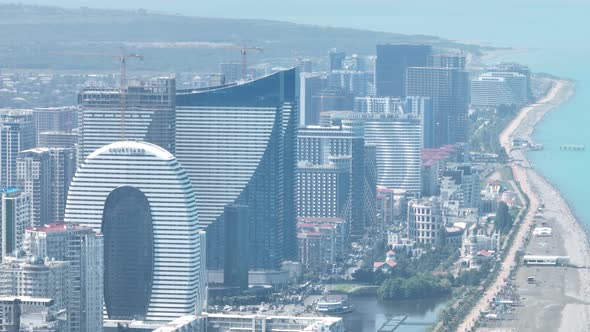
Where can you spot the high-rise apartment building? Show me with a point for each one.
(33, 176)
(45, 173)
(494, 89)
(336, 59)
(16, 215)
(310, 84)
(352, 81)
(459, 188)
(333, 99)
(378, 105)
(26, 275)
(321, 145)
(63, 119)
(324, 190)
(391, 64)
(57, 139)
(82, 249)
(238, 145)
(149, 115)
(398, 142)
(446, 61)
(231, 71)
(448, 90)
(17, 133)
(515, 68)
(142, 201)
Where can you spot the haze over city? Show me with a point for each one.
(352, 165)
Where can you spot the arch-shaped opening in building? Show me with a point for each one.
(128, 253)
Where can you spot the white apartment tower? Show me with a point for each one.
(143, 202)
(82, 249)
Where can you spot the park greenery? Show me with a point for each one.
(419, 286)
(427, 276)
(503, 220)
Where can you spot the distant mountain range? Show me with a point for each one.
(35, 36)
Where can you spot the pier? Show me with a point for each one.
(572, 147)
(392, 324)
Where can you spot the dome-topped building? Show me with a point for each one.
(141, 199)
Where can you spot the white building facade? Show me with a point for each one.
(142, 200)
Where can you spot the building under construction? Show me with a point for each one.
(149, 108)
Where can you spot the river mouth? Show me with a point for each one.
(370, 313)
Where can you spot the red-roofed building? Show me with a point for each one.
(387, 265)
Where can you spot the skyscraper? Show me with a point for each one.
(324, 190)
(33, 175)
(446, 61)
(336, 59)
(45, 173)
(333, 99)
(391, 64)
(231, 71)
(398, 143)
(55, 119)
(142, 200)
(448, 89)
(15, 208)
(57, 139)
(318, 144)
(82, 249)
(149, 115)
(310, 84)
(17, 133)
(238, 145)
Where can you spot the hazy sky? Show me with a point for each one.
(483, 21)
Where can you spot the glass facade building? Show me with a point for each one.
(149, 115)
(238, 145)
(391, 64)
(142, 200)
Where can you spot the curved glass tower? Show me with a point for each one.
(142, 200)
(238, 145)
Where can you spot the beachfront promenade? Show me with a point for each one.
(523, 123)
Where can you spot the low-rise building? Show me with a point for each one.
(425, 223)
(29, 314)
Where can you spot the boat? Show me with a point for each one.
(334, 305)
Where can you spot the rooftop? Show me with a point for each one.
(130, 148)
(55, 227)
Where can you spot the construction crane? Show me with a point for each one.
(244, 50)
(123, 56)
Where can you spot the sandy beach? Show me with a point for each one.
(558, 301)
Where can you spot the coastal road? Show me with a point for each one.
(520, 176)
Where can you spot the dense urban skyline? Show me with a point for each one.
(269, 188)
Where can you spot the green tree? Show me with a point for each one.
(503, 221)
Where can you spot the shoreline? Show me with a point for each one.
(564, 290)
(540, 191)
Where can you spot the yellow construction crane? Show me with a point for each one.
(123, 56)
(244, 50)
